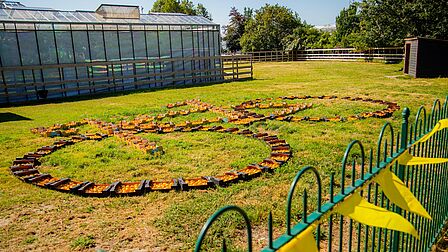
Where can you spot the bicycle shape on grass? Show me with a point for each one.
(26, 168)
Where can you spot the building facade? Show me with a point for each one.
(48, 53)
(426, 58)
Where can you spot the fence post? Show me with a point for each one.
(401, 171)
(251, 68)
(237, 69)
(233, 67)
(222, 62)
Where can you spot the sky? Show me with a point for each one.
(315, 12)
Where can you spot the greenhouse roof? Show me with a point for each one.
(115, 15)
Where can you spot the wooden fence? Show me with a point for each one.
(237, 67)
(272, 56)
(42, 82)
(392, 54)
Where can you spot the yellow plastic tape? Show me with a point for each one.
(407, 159)
(442, 124)
(304, 242)
(397, 192)
(357, 208)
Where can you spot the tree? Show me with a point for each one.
(348, 26)
(184, 6)
(306, 36)
(235, 30)
(267, 29)
(202, 11)
(429, 18)
(167, 6)
(382, 23)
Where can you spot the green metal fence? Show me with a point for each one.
(429, 184)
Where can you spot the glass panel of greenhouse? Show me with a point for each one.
(47, 53)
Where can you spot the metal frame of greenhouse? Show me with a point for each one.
(47, 54)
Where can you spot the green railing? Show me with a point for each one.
(428, 182)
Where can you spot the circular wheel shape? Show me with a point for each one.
(26, 168)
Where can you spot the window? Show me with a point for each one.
(139, 44)
(65, 46)
(153, 44)
(125, 45)
(187, 38)
(81, 45)
(112, 49)
(47, 47)
(28, 48)
(8, 49)
(96, 46)
(164, 44)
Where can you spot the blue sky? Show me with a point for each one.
(316, 12)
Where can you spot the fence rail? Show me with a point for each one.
(426, 137)
(390, 54)
(40, 82)
(237, 67)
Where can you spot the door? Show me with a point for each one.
(407, 54)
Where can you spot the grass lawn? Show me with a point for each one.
(32, 218)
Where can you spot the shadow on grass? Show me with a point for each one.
(116, 93)
(11, 117)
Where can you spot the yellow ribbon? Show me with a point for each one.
(357, 208)
(304, 242)
(408, 159)
(397, 192)
(442, 124)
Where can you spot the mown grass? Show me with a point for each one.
(186, 155)
(34, 218)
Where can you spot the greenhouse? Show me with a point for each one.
(47, 53)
